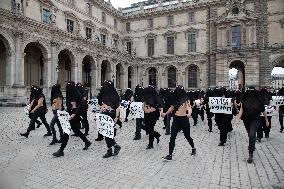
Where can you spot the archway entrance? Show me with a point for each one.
(65, 59)
(172, 77)
(35, 71)
(237, 80)
(278, 74)
(119, 76)
(152, 76)
(105, 71)
(130, 77)
(86, 69)
(3, 63)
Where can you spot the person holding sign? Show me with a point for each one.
(267, 101)
(38, 110)
(151, 107)
(74, 108)
(109, 102)
(138, 97)
(181, 110)
(251, 107)
(281, 109)
(34, 91)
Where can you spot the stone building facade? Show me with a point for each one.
(164, 43)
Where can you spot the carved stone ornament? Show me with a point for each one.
(104, 31)
(49, 4)
(89, 23)
(170, 33)
(151, 36)
(127, 38)
(191, 30)
(115, 36)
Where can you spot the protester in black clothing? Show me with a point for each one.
(38, 110)
(181, 110)
(85, 122)
(209, 114)
(74, 104)
(127, 96)
(168, 99)
(34, 91)
(281, 110)
(267, 101)
(138, 97)
(109, 101)
(152, 108)
(55, 92)
(251, 107)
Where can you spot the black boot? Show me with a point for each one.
(87, 145)
(116, 150)
(137, 137)
(193, 151)
(158, 138)
(250, 157)
(54, 141)
(59, 153)
(25, 134)
(108, 154)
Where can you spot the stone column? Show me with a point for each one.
(19, 63)
(125, 78)
(54, 63)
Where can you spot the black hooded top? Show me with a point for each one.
(108, 95)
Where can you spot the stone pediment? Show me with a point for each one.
(70, 15)
(115, 36)
(127, 38)
(151, 36)
(170, 33)
(89, 23)
(236, 12)
(103, 30)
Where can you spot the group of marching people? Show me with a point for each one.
(177, 105)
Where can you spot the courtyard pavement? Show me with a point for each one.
(28, 163)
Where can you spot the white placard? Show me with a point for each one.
(197, 103)
(63, 118)
(278, 100)
(269, 111)
(124, 104)
(136, 110)
(94, 105)
(105, 125)
(27, 109)
(220, 105)
(122, 108)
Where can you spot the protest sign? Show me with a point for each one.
(123, 106)
(278, 100)
(94, 105)
(105, 125)
(27, 109)
(136, 110)
(63, 118)
(269, 111)
(220, 105)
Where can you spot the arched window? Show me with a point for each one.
(172, 77)
(192, 77)
(153, 77)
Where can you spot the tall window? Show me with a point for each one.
(170, 45)
(151, 23)
(88, 33)
(103, 17)
(192, 77)
(172, 77)
(128, 46)
(46, 16)
(103, 39)
(89, 8)
(236, 36)
(191, 42)
(151, 47)
(170, 20)
(191, 17)
(152, 77)
(115, 23)
(127, 26)
(70, 25)
(115, 43)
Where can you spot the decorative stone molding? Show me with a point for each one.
(89, 23)
(115, 36)
(170, 33)
(104, 31)
(191, 30)
(151, 36)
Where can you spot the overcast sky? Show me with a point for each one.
(123, 3)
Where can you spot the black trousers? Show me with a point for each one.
(251, 127)
(281, 112)
(139, 126)
(39, 113)
(150, 120)
(224, 126)
(209, 119)
(75, 126)
(263, 128)
(85, 121)
(54, 121)
(37, 121)
(194, 115)
(180, 123)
